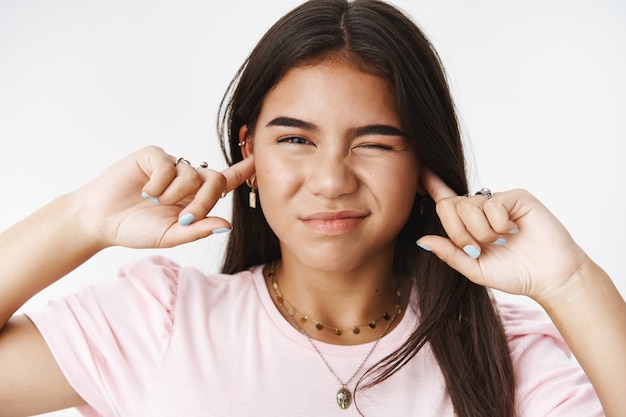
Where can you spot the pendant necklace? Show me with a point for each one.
(344, 395)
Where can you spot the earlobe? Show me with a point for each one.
(245, 141)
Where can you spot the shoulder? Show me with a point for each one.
(531, 335)
(523, 322)
(163, 277)
(131, 326)
(159, 271)
(166, 280)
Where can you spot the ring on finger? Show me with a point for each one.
(485, 192)
(203, 164)
(179, 160)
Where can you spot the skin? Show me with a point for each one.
(541, 260)
(108, 211)
(329, 155)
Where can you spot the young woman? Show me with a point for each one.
(344, 151)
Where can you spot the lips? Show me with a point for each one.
(334, 223)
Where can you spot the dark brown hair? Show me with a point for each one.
(457, 317)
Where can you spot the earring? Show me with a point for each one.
(252, 196)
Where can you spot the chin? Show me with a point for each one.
(338, 260)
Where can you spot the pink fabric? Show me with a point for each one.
(166, 341)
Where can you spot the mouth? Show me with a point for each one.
(334, 223)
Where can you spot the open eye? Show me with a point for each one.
(294, 140)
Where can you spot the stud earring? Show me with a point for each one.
(252, 196)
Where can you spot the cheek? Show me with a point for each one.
(396, 190)
(397, 181)
(276, 178)
(398, 198)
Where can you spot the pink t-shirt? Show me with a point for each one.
(171, 341)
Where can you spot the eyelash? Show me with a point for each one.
(376, 146)
(293, 140)
(297, 140)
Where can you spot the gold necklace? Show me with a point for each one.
(344, 395)
(356, 329)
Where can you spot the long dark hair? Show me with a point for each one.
(457, 318)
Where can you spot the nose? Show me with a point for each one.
(331, 176)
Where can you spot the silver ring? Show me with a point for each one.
(179, 160)
(203, 164)
(485, 192)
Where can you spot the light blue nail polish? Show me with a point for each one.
(186, 219)
(514, 231)
(425, 247)
(145, 194)
(154, 200)
(221, 230)
(472, 251)
(500, 241)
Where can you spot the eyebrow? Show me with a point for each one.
(375, 129)
(292, 122)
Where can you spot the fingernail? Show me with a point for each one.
(221, 230)
(472, 251)
(500, 241)
(154, 200)
(145, 194)
(425, 247)
(514, 231)
(186, 219)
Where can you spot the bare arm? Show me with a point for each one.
(30, 379)
(33, 254)
(591, 316)
(30, 258)
(39, 250)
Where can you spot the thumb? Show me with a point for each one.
(462, 260)
(202, 228)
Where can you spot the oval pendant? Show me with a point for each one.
(344, 398)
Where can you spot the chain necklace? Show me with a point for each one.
(344, 395)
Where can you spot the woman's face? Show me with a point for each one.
(337, 177)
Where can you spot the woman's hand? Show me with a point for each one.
(145, 200)
(537, 258)
(510, 242)
(148, 200)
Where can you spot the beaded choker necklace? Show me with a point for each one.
(344, 395)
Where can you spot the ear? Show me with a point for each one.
(245, 141)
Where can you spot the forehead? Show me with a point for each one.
(331, 89)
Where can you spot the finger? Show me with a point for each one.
(186, 182)
(435, 187)
(160, 169)
(206, 226)
(446, 206)
(238, 173)
(472, 214)
(205, 197)
(449, 253)
(215, 185)
(498, 215)
(455, 227)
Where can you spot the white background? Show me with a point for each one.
(539, 85)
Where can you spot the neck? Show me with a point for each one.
(346, 307)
